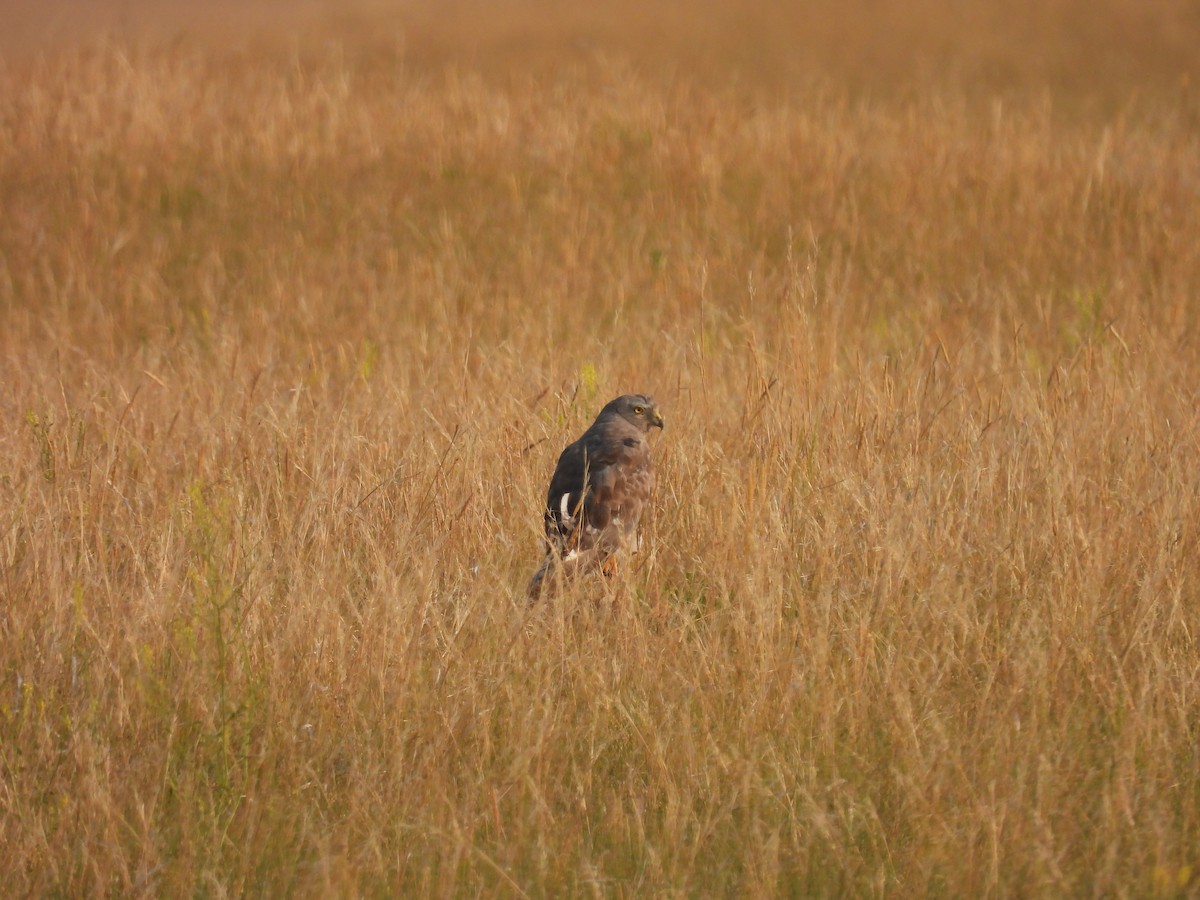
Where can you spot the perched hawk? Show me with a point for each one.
(599, 488)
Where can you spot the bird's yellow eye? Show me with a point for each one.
(638, 410)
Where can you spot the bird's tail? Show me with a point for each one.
(556, 571)
(539, 577)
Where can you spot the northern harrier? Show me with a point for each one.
(599, 488)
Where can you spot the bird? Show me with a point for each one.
(598, 492)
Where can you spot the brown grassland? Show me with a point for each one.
(293, 324)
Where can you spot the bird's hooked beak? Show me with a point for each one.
(657, 420)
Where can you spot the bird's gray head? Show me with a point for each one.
(637, 409)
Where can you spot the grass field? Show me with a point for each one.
(293, 324)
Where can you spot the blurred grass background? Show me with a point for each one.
(1113, 51)
(299, 303)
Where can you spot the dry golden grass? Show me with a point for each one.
(291, 340)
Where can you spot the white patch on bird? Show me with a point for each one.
(563, 507)
(570, 556)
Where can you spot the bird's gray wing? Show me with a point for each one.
(588, 488)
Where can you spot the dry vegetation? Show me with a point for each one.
(291, 339)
